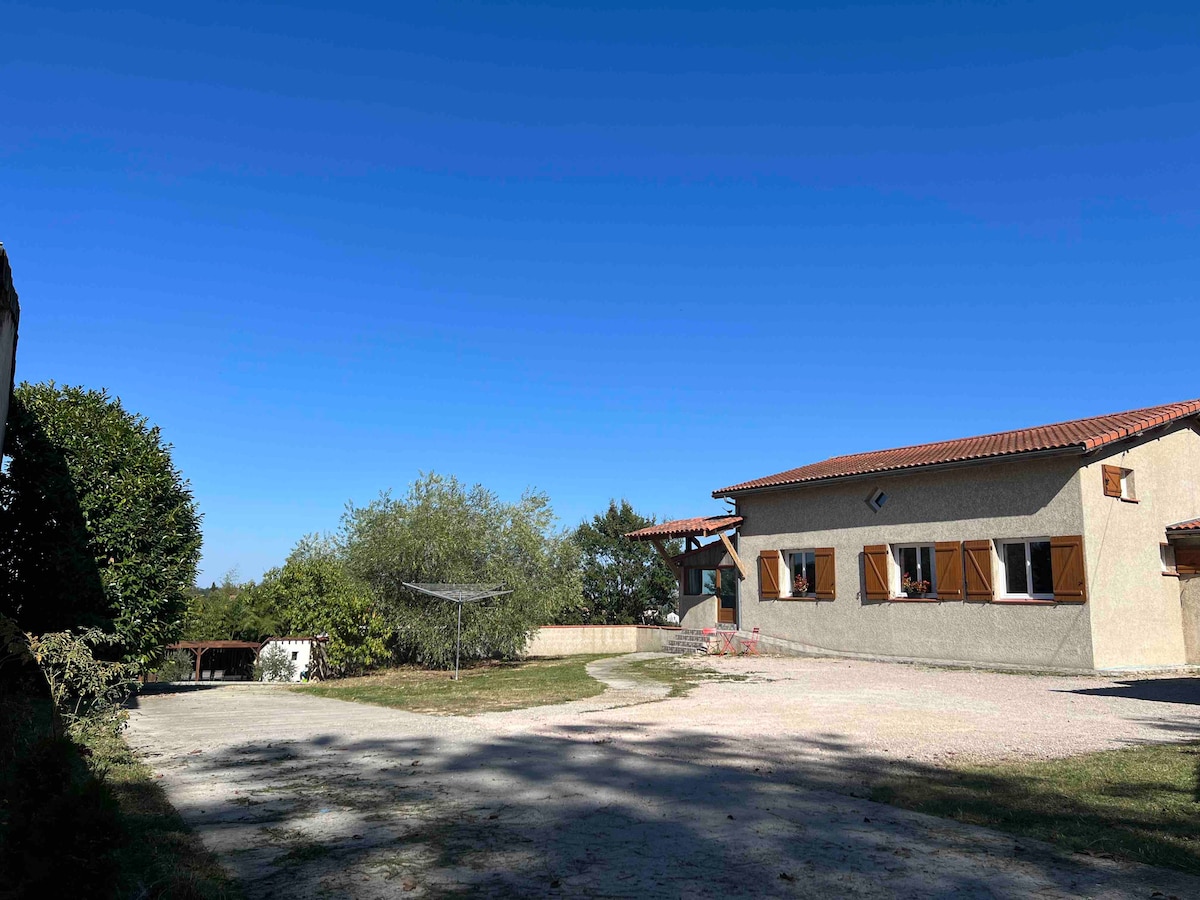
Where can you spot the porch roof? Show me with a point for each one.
(700, 526)
(1191, 526)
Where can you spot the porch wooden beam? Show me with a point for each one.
(737, 560)
(662, 551)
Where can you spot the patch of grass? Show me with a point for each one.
(87, 819)
(679, 676)
(493, 687)
(1140, 804)
(159, 855)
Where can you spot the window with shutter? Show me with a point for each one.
(768, 574)
(875, 572)
(825, 573)
(949, 570)
(1066, 564)
(977, 565)
(1112, 480)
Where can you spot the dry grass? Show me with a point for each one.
(681, 677)
(489, 687)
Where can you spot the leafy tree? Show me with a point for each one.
(231, 612)
(98, 529)
(313, 593)
(444, 531)
(622, 579)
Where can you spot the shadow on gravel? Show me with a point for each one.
(617, 815)
(1162, 690)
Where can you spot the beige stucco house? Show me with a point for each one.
(1067, 546)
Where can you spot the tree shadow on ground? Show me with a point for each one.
(606, 810)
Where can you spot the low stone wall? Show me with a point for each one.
(570, 640)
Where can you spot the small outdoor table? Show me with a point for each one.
(727, 639)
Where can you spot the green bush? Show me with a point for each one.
(178, 665)
(274, 665)
(97, 527)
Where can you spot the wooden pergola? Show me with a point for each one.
(200, 647)
(692, 530)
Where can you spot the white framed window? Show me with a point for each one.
(877, 499)
(1128, 488)
(1025, 569)
(802, 573)
(918, 570)
(1166, 557)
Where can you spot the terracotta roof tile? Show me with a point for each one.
(1190, 525)
(1080, 434)
(701, 526)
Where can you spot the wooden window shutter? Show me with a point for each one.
(768, 574)
(875, 571)
(977, 561)
(825, 573)
(949, 570)
(1112, 480)
(1066, 565)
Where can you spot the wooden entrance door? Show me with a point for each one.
(727, 595)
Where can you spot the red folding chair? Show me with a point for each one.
(750, 644)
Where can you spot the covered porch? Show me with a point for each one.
(222, 660)
(708, 574)
(1181, 558)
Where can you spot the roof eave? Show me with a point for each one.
(1073, 450)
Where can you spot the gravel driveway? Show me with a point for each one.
(727, 791)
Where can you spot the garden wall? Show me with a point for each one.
(569, 640)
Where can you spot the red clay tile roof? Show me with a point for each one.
(1190, 525)
(701, 526)
(1081, 435)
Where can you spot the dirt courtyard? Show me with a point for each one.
(736, 789)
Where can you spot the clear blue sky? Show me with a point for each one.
(603, 251)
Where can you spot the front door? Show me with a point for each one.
(727, 580)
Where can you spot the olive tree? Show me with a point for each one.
(444, 531)
(98, 529)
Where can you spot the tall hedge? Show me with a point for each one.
(97, 526)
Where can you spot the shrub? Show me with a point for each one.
(178, 665)
(88, 694)
(274, 664)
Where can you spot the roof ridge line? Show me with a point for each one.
(991, 434)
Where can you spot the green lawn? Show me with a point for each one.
(1141, 804)
(491, 687)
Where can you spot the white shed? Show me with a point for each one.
(302, 651)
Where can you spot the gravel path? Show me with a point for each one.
(723, 792)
